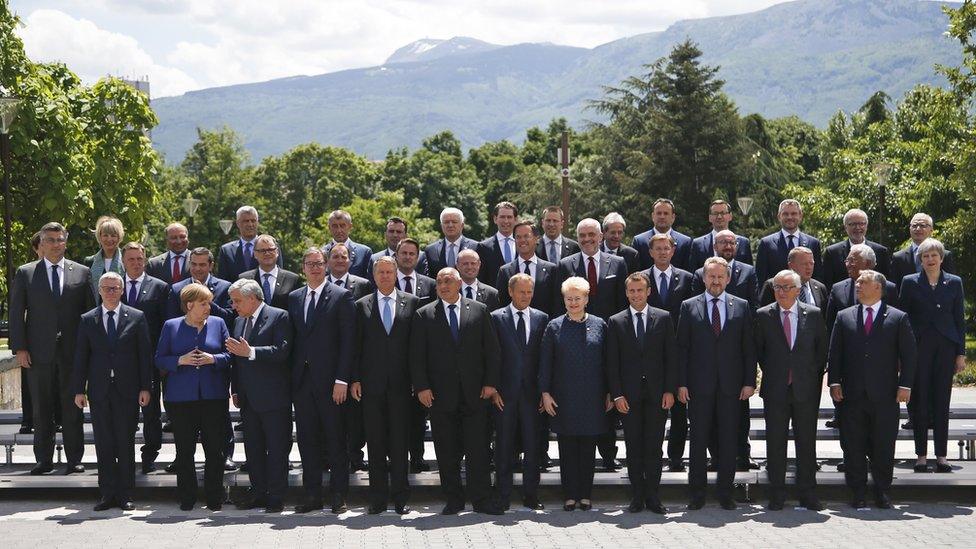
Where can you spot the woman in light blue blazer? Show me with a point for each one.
(109, 233)
(934, 302)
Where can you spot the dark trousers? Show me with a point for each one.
(206, 419)
(870, 429)
(355, 430)
(644, 437)
(44, 379)
(743, 450)
(416, 430)
(708, 413)
(114, 424)
(461, 432)
(229, 434)
(318, 420)
(152, 425)
(387, 417)
(933, 391)
(606, 443)
(543, 437)
(576, 461)
(519, 419)
(267, 439)
(803, 415)
(677, 432)
(26, 404)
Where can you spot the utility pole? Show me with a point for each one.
(563, 159)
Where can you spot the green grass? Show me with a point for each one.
(968, 376)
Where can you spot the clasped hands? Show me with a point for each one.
(196, 358)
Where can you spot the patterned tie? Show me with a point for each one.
(407, 286)
(177, 272)
(311, 308)
(591, 277)
(267, 287)
(248, 255)
(716, 318)
(133, 294)
(505, 251)
(804, 294)
(918, 260)
(55, 282)
(469, 293)
(789, 242)
(338, 283)
(453, 319)
(869, 322)
(553, 258)
(520, 330)
(113, 335)
(640, 327)
(387, 315)
(527, 271)
(451, 255)
(664, 290)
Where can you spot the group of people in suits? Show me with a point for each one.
(497, 342)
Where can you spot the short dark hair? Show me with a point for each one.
(667, 201)
(719, 202)
(36, 240)
(505, 204)
(408, 241)
(531, 225)
(203, 250)
(53, 227)
(637, 276)
(400, 220)
(133, 246)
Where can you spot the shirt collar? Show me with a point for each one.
(634, 311)
(525, 311)
(140, 279)
(273, 272)
(657, 272)
(558, 240)
(318, 289)
(343, 278)
(455, 242)
(723, 297)
(795, 309)
(60, 264)
(874, 307)
(534, 260)
(667, 232)
(473, 286)
(380, 295)
(786, 234)
(254, 315)
(206, 281)
(401, 276)
(501, 237)
(105, 309)
(596, 257)
(243, 241)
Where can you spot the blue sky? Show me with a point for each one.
(183, 45)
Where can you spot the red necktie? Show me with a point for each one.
(591, 277)
(716, 318)
(177, 273)
(868, 322)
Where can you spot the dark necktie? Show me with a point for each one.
(311, 308)
(177, 272)
(248, 255)
(804, 294)
(339, 283)
(469, 293)
(716, 318)
(789, 242)
(869, 322)
(453, 319)
(407, 286)
(553, 258)
(640, 327)
(451, 255)
(664, 290)
(591, 277)
(918, 260)
(55, 282)
(248, 325)
(267, 287)
(133, 294)
(527, 271)
(520, 330)
(113, 335)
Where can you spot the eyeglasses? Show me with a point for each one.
(919, 226)
(782, 288)
(265, 250)
(110, 289)
(719, 214)
(52, 240)
(314, 264)
(857, 223)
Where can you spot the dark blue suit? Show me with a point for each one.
(359, 257)
(219, 307)
(113, 372)
(703, 247)
(682, 253)
(869, 369)
(545, 293)
(843, 295)
(230, 260)
(420, 268)
(322, 355)
(938, 320)
(492, 258)
(519, 388)
(743, 284)
(436, 253)
(773, 253)
(263, 386)
(834, 268)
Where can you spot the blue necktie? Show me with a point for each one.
(267, 287)
(248, 255)
(664, 289)
(133, 294)
(640, 328)
(520, 330)
(552, 252)
(451, 256)
(311, 308)
(387, 315)
(468, 293)
(505, 251)
(790, 244)
(113, 336)
(804, 294)
(918, 260)
(453, 319)
(55, 282)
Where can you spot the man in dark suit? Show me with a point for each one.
(642, 372)
(703, 247)
(201, 263)
(172, 265)
(454, 368)
(443, 253)
(275, 282)
(614, 226)
(606, 275)
(743, 283)
(905, 261)
(396, 230)
(150, 296)
(843, 294)
(338, 268)
(468, 266)
(324, 317)
(554, 246)
(663, 215)
(47, 299)
(113, 360)
(499, 248)
(340, 225)
(717, 370)
(772, 254)
(543, 273)
(791, 345)
(237, 256)
(408, 279)
(872, 367)
(856, 226)
(812, 292)
(381, 383)
(669, 289)
(519, 328)
(260, 344)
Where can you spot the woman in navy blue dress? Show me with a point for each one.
(191, 354)
(572, 379)
(934, 302)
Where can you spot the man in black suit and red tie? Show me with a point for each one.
(553, 246)
(791, 345)
(856, 226)
(499, 248)
(772, 255)
(717, 370)
(872, 368)
(173, 265)
(409, 280)
(454, 364)
(642, 371)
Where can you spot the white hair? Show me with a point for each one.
(588, 222)
(854, 211)
(247, 287)
(793, 275)
(866, 252)
(246, 210)
(611, 218)
(111, 275)
(928, 245)
(451, 211)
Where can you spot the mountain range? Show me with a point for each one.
(810, 58)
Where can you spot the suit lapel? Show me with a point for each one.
(604, 266)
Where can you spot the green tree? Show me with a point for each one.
(369, 216)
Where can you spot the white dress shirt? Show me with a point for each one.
(128, 284)
(722, 302)
(393, 302)
(272, 280)
(447, 311)
(586, 264)
(50, 279)
(525, 319)
(668, 273)
(511, 244)
(413, 281)
(474, 289)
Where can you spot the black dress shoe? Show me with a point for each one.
(908, 425)
(243, 467)
(358, 465)
(252, 503)
(882, 500)
(419, 466)
(452, 508)
(104, 505)
(841, 467)
(239, 426)
(636, 505)
(584, 506)
(376, 508)
(533, 503)
(274, 507)
(676, 466)
(339, 505)
(148, 467)
(41, 469)
(488, 508)
(187, 506)
(610, 465)
(58, 429)
(655, 506)
(401, 508)
(74, 468)
(811, 503)
(229, 465)
(569, 505)
(545, 463)
(308, 506)
(26, 430)
(728, 504)
(943, 468)
(127, 506)
(215, 506)
(696, 503)
(775, 505)
(832, 423)
(921, 468)
(859, 503)
(743, 465)
(167, 427)
(171, 468)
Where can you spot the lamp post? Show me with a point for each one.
(190, 206)
(9, 105)
(882, 171)
(226, 225)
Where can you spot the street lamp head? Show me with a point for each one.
(882, 171)
(9, 107)
(190, 206)
(745, 204)
(226, 225)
